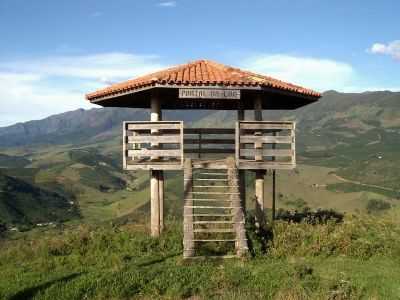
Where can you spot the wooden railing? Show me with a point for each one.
(257, 145)
(209, 142)
(153, 145)
(265, 145)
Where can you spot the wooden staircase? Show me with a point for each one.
(213, 213)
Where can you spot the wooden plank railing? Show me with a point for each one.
(153, 145)
(265, 145)
(206, 141)
(162, 145)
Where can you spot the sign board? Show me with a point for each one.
(209, 93)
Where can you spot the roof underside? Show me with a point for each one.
(136, 93)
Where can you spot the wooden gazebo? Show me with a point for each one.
(213, 159)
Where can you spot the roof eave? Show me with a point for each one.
(312, 97)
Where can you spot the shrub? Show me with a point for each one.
(321, 216)
(357, 236)
(297, 203)
(377, 205)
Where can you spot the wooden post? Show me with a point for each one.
(242, 173)
(161, 198)
(259, 191)
(188, 233)
(156, 189)
(259, 184)
(273, 194)
(258, 109)
(273, 186)
(154, 204)
(238, 211)
(200, 144)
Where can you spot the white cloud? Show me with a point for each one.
(23, 97)
(315, 73)
(392, 49)
(167, 4)
(104, 67)
(37, 88)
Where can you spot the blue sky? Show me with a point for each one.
(53, 52)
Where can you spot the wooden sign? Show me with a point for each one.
(209, 93)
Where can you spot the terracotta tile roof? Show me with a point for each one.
(201, 73)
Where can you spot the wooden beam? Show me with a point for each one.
(257, 109)
(210, 141)
(159, 126)
(161, 198)
(241, 114)
(244, 139)
(210, 150)
(209, 130)
(259, 190)
(188, 215)
(166, 139)
(266, 152)
(154, 166)
(259, 181)
(256, 165)
(273, 194)
(124, 142)
(154, 204)
(273, 185)
(155, 115)
(155, 152)
(266, 125)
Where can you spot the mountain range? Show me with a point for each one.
(77, 154)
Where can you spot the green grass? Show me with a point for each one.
(357, 259)
(347, 187)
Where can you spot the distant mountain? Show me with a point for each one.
(79, 126)
(342, 112)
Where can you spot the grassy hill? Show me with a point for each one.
(22, 203)
(356, 259)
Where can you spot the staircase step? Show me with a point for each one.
(209, 173)
(215, 222)
(211, 215)
(214, 257)
(214, 193)
(220, 240)
(209, 200)
(210, 179)
(219, 207)
(214, 230)
(214, 186)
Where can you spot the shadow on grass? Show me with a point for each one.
(158, 260)
(30, 292)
